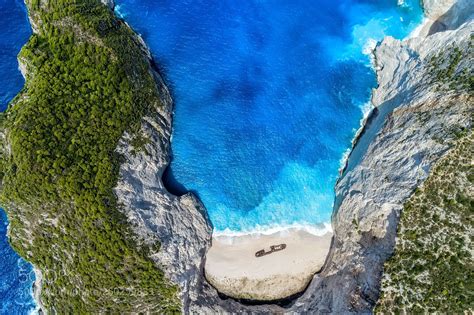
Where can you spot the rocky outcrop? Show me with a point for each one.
(179, 224)
(446, 14)
(37, 287)
(410, 130)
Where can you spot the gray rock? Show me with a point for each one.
(394, 154)
(447, 14)
(180, 224)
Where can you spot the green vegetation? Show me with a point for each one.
(88, 82)
(138, 142)
(445, 71)
(432, 269)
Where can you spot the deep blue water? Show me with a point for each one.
(268, 96)
(14, 32)
(16, 275)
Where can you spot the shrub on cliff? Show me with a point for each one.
(432, 267)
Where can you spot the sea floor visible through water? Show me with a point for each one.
(268, 96)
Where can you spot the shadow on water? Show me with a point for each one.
(171, 184)
(169, 180)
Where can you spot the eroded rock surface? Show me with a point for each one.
(179, 224)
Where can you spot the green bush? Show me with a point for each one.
(432, 268)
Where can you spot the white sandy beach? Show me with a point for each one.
(233, 269)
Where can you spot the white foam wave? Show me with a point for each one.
(366, 108)
(343, 160)
(369, 46)
(34, 311)
(418, 31)
(318, 230)
(118, 12)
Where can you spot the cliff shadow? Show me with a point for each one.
(171, 184)
(375, 122)
(460, 12)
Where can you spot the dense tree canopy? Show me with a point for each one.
(88, 82)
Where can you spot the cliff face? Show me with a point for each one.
(445, 14)
(414, 124)
(180, 224)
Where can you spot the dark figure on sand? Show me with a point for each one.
(273, 248)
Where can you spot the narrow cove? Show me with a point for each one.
(267, 100)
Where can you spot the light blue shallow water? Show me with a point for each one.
(268, 96)
(16, 275)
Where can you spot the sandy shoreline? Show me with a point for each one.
(233, 269)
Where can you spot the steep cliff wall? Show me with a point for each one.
(414, 126)
(179, 224)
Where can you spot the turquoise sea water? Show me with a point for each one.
(268, 96)
(16, 275)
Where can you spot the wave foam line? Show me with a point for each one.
(420, 30)
(318, 230)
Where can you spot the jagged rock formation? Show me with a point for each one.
(430, 271)
(391, 157)
(180, 224)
